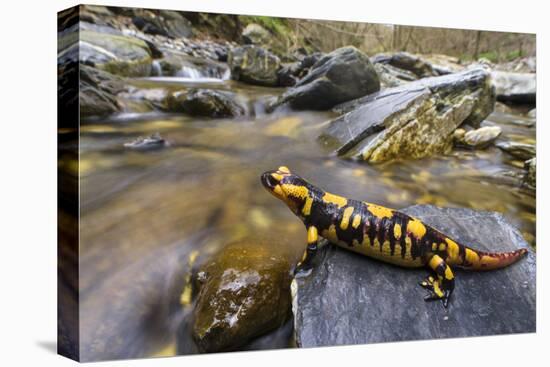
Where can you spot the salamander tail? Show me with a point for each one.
(480, 260)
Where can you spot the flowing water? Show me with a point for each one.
(144, 212)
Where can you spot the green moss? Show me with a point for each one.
(277, 26)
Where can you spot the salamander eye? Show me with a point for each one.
(271, 181)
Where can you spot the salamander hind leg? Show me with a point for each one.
(441, 284)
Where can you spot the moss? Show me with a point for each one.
(277, 26)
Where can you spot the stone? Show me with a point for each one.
(342, 75)
(407, 61)
(154, 141)
(244, 294)
(254, 65)
(255, 34)
(531, 174)
(205, 102)
(478, 138)
(97, 92)
(177, 64)
(414, 120)
(115, 53)
(515, 87)
(532, 113)
(352, 299)
(391, 76)
(518, 150)
(163, 22)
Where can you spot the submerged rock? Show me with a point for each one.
(352, 299)
(414, 120)
(245, 293)
(254, 65)
(337, 77)
(515, 87)
(154, 141)
(518, 150)
(204, 102)
(478, 138)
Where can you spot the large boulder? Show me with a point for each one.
(244, 294)
(515, 87)
(204, 102)
(254, 65)
(163, 22)
(414, 120)
(97, 92)
(352, 299)
(115, 53)
(255, 34)
(342, 75)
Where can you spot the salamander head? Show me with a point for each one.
(284, 185)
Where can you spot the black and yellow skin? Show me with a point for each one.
(379, 232)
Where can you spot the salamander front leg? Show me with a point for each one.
(304, 266)
(440, 286)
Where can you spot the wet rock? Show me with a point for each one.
(154, 141)
(290, 73)
(414, 120)
(518, 150)
(245, 294)
(391, 76)
(205, 102)
(515, 87)
(97, 92)
(163, 22)
(178, 64)
(477, 138)
(532, 113)
(531, 175)
(409, 62)
(522, 65)
(94, 14)
(254, 65)
(115, 53)
(337, 77)
(501, 107)
(352, 299)
(255, 34)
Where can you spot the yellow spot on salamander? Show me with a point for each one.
(355, 242)
(434, 261)
(442, 247)
(448, 273)
(356, 221)
(306, 210)
(379, 211)
(397, 231)
(434, 246)
(335, 199)
(312, 235)
(284, 169)
(416, 228)
(330, 234)
(452, 250)
(277, 176)
(471, 257)
(345, 217)
(296, 191)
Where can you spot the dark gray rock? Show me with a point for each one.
(518, 150)
(391, 76)
(352, 299)
(204, 102)
(97, 92)
(337, 77)
(290, 73)
(406, 61)
(154, 141)
(254, 65)
(414, 120)
(163, 22)
(515, 87)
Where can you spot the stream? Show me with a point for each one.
(144, 212)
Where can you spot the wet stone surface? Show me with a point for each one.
(351, 299)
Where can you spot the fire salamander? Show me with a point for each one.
(382, 233)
